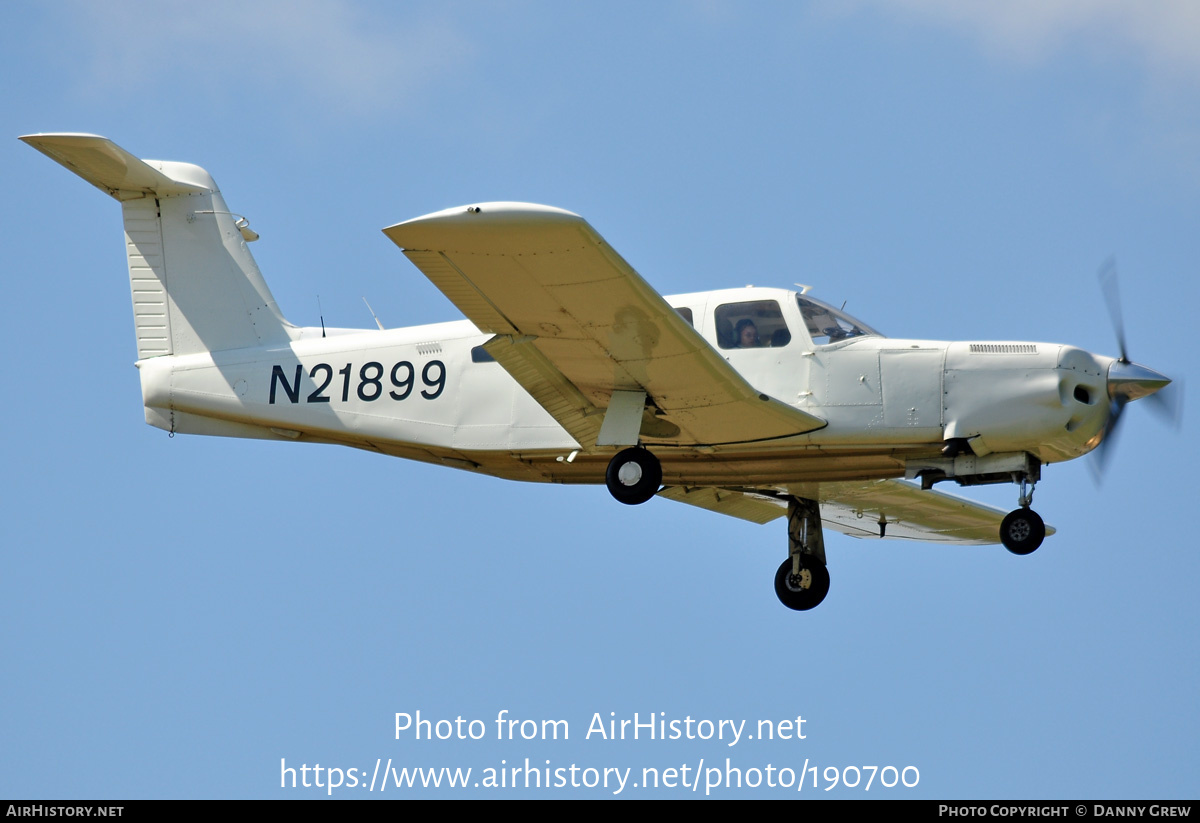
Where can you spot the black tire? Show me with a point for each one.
(1022, 531)
(640, 479)
(791, 591)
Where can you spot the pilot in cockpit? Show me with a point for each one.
(746, 334)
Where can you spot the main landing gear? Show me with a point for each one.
(633, 476)
(802, 580)
(1023, 530)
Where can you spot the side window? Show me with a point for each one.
(686, 314)
(481, 355)
(753, 325)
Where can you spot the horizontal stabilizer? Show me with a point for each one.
(107, 166)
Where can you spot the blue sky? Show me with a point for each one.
(180, 615)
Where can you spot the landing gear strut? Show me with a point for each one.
(803, 581)
(1023, 530)
(633, 476)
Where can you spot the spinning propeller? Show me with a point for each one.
(1128, 380)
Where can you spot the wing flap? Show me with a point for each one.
(548, 387)
(726, 501)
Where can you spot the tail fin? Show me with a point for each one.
(194, 283)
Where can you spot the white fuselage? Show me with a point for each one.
(431, 393)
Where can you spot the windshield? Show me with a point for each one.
(829, 325)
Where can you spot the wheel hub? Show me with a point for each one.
(1020, 530)
(630, 474)
(800, 582)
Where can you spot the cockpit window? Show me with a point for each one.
(752, 325)
(829, 325)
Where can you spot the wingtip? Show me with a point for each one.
(51, 136)
(499, 211)
(496, 220)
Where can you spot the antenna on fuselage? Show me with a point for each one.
(372, 311)
(803, 288)
(321, 314)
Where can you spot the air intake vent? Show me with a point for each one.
(1003, 348)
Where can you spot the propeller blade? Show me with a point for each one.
(1167, 403)
(1112, 296)
(1108, 439)
(1129, 381)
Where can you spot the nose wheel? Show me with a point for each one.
(633, 476)
(1022, 531)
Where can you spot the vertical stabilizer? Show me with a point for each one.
(195, 285)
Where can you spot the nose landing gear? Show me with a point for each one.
(1023, 530)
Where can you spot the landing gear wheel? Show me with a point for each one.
(1022, 531)
(633, 476)
(803, 591)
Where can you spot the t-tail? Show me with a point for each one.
(195, 285)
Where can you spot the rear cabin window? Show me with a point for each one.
(686, 314)
(757, 324)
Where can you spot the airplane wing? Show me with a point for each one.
(910, 513)
(856, 508)
(574, 323)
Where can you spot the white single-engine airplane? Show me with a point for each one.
(755, 403)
